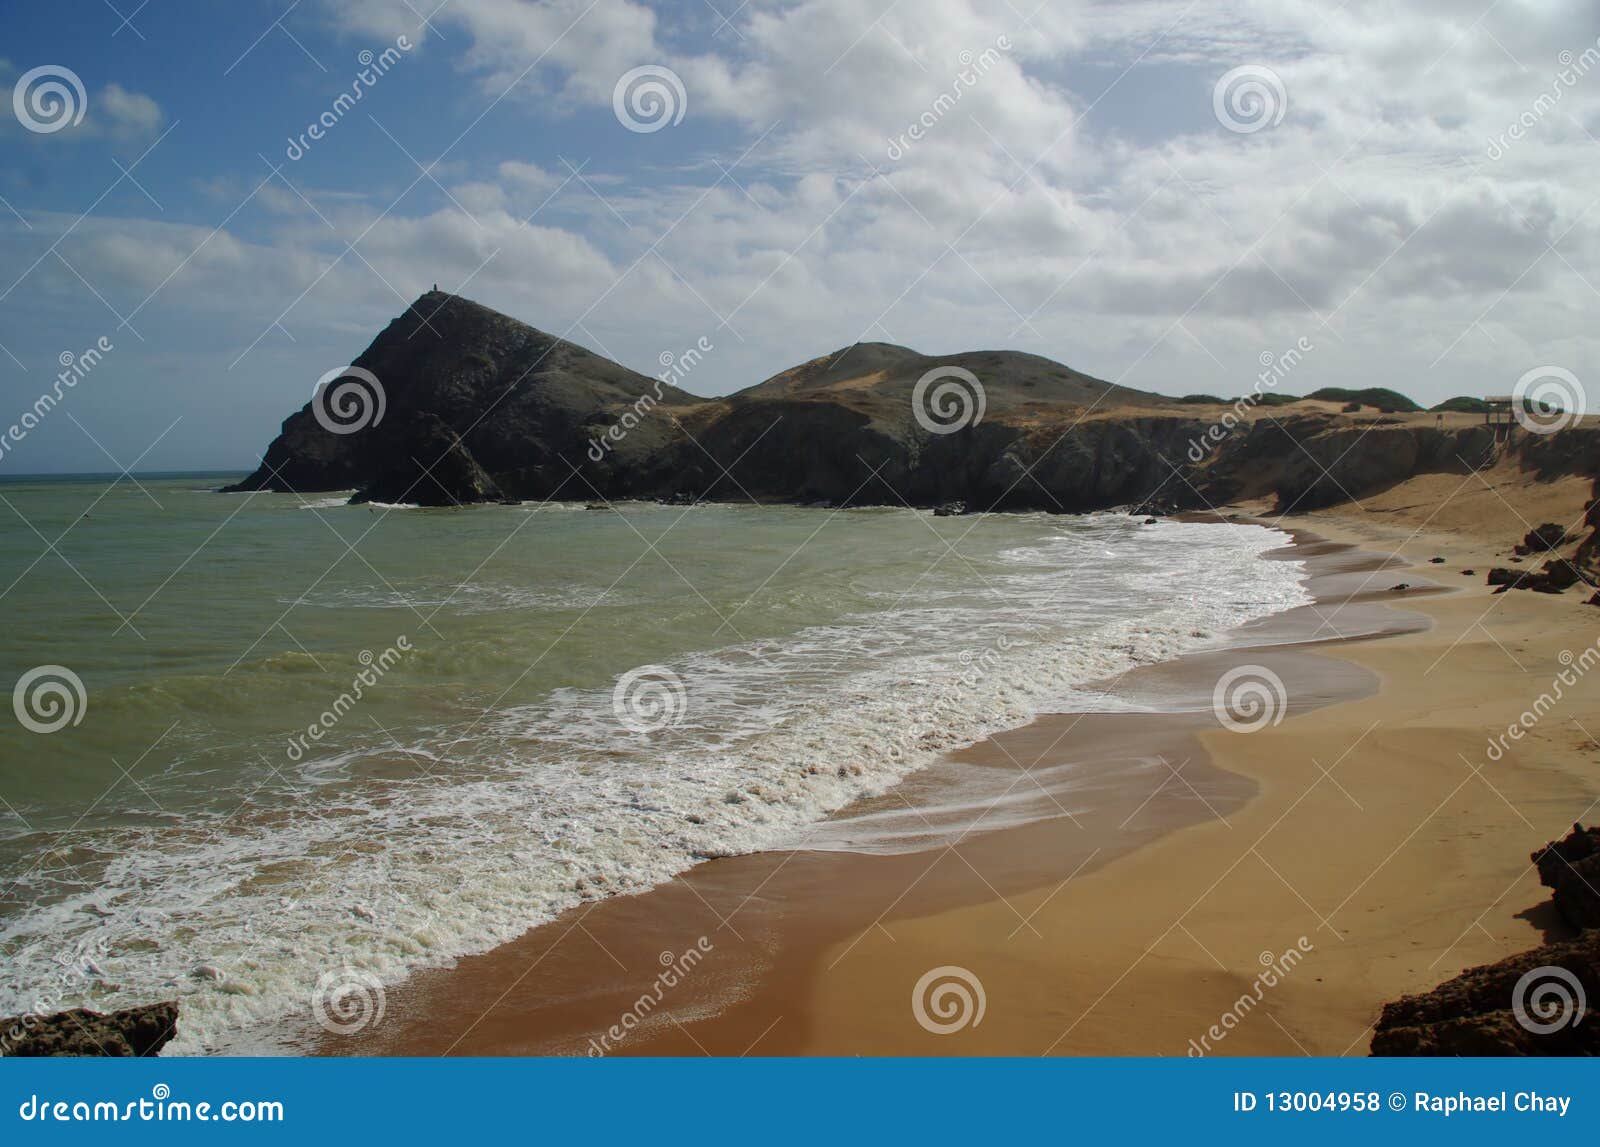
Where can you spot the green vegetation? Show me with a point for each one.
(1462, 405)
(1380, 396)
(1203, 400)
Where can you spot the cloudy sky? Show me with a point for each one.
(1153, 192)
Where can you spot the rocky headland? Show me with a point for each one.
(465, 405)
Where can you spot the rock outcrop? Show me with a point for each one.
(132, 1032)
(454, 403)
(1477, 1012)
(1534, 1003)
(1571, 869)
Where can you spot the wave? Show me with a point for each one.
(462, 837)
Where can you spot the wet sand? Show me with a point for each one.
(1032, 861)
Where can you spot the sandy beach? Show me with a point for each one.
(1361, 844)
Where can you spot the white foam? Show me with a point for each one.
(504, 825)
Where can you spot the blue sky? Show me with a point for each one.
(1084, 197)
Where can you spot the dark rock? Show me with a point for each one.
(1571, 869)
(1149, 521)
(1469, 573)
(1400, 587)
(480, 407)
(1436, 561)
(132, 1032)
(1550, 536)
(1475, 1013)
(950, 510)
(1594, 600)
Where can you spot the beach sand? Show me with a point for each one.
(1368, 830)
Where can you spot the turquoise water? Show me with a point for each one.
(314, 736)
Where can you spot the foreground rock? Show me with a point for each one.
(1476, 1014)
(1534, 1003)
(132, 1032)
(1571, 867)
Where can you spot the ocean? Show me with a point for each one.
(258, 738)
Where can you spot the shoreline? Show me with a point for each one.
(1119, 782)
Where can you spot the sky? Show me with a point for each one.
(1159, 193)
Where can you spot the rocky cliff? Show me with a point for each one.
(454, 403)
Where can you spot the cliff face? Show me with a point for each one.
(454, 403)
